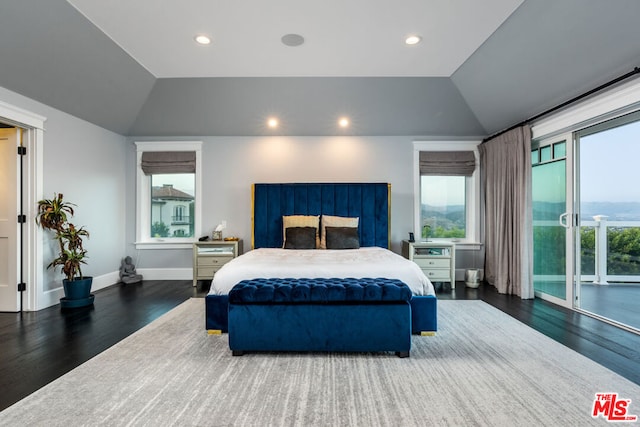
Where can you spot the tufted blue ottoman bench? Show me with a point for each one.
(341, 315)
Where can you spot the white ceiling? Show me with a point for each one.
(465, 80)
(342, 38)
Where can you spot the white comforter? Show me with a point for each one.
(285, 263)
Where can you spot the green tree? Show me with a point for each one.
(623, 247)
(623, 257)
(588, 250)
(159, 229)
(192, 219)
(452, 233)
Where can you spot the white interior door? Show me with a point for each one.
(9, 227)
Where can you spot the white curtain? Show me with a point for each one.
(506, 181)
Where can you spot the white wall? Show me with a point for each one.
(87, 164)
(232, 164)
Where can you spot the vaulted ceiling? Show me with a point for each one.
(133, 67)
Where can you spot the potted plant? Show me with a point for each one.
(53, 215)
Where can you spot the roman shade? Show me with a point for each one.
(451, 163)
(158, 162)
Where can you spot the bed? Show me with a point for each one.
(368, 202)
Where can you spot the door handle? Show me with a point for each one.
(562, 219)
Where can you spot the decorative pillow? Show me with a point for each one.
(342, 237)
(300, 221)
(335, 221)
(300, 238)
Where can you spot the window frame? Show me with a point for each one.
(143, 196)
(472, 239)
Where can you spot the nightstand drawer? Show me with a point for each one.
(207, 272)
(438, 275)
(432, 262)
(213, 260)
(437, 260)
(210, 256)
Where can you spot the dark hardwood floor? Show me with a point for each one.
(38, 347)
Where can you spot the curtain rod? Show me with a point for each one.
(631, 73)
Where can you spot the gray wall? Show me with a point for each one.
(87, 164)
(100, 177)
(232, 164)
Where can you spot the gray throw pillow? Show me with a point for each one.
(342, 238)
(300, 238)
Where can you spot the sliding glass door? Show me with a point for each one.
(608, 196)
(553, 264)
(586, 219)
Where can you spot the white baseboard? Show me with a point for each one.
(106, 280)
(52, 297)
(166, 273)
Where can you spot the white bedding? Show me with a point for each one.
(289, 263)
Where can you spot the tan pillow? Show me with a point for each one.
(335, 221)
(300, 221)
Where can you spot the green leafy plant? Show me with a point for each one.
(53, 215)
(159, 229)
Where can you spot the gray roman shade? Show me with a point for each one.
(157, 162)
(457, 163)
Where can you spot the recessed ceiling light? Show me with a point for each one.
(202, 39)
(272, 122)
(292, 40)
(413, 39)
(343, 122)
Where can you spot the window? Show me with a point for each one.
(447, 191)
(168, 194)
(180, 216)
(443, 207)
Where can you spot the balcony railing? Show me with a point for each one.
(602, 256)
(180, 220)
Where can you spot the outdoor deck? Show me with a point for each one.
(619, 302)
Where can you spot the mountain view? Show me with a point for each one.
(444, 221)
(615, 211)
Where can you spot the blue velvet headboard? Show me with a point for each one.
(368, 201)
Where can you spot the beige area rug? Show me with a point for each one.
(482, 368)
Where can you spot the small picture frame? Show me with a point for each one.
(217, 235)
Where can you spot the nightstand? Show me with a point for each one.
(208, 257)
(436, 259)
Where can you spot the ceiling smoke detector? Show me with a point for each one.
(292, 40)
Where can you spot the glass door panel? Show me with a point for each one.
(609, 201)
(549, 184)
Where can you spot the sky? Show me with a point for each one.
(443, 190)
(181, 181)
(610, 165)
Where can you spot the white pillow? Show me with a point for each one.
(300, 221)
(335, 221)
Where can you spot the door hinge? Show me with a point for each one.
(22, 287)
(22, 151)
(22, 219)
